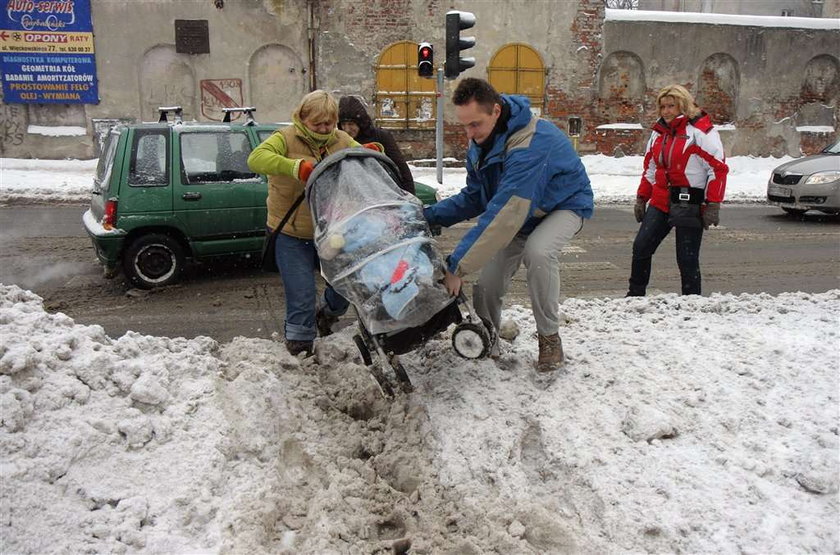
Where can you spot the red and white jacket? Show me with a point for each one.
(684, 153)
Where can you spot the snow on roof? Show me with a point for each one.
(829, 24)
(815, 128)
(57, 130)
(620, 126)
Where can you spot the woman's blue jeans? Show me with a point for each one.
(298, 261)
(654, 229)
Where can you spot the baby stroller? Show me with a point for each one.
(377, 251)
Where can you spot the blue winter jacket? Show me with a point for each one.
(530, 170)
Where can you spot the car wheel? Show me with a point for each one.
(794, 211)
(153, 260)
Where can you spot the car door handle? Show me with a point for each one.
(191, 196)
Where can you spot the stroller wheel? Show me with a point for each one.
(363, 350)
(382, 382)
(471, 340)
(402, 375)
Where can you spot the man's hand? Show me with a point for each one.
(305, 169)
(639, 209)
(711, 215)
(452, 283)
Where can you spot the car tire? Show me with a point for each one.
(153, 260)
(794, 211)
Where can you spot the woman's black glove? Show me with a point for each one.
(711, 215)
(639, 209)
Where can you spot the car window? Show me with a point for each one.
(833, 149)
(211, 157)
(102, 178)
(148, 159)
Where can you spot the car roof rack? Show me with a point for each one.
(247, 110)
(164, 112)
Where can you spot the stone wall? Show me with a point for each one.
(258, 56)
(777, 88)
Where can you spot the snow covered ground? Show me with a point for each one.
(679, 424)
(613, 179)
(46, 180)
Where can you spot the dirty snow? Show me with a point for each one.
(679, 424)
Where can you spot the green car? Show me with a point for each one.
(167, 192)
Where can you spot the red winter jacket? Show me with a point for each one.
(684, 153)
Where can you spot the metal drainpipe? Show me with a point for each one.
(313, 83)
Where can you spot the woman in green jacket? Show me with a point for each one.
(287, 157)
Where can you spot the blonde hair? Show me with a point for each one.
(318, 104)
(682, 97)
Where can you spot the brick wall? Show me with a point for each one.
(812, 143)
(621, 141)
(606, 72)
(575, 97)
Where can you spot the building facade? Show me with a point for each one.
(773, 88)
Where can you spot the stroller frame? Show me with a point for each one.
(472, 337)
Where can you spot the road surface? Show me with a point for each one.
(758, 249)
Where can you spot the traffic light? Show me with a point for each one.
(455, 22)
(425, 60)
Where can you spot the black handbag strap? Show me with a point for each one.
(288, 215)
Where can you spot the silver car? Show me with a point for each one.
(809, 183)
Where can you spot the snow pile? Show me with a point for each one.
(46, 180)
(679, 424)
(614, 180)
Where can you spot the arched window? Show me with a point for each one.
(166, 79)
(403, 99)
(518, 69)
(717, 87)
(621, 88)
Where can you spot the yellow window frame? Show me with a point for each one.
(403, 99)
(516, 68)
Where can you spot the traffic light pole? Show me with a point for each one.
(439, 126)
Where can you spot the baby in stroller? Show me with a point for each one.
(377, 251)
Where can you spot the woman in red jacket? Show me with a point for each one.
(682, 186)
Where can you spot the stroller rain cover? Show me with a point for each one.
(374, 244)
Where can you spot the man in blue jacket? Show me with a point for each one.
(530, 193)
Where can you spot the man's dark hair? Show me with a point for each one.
(479, 90)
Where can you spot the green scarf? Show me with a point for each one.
(316, 141)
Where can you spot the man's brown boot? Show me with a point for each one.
(551, 353)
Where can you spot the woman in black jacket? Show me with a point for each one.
(354, 120)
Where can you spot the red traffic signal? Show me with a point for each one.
(425, 60)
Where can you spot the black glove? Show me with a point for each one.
(711, 215)
(639, 209)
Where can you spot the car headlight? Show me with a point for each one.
(822, 177)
